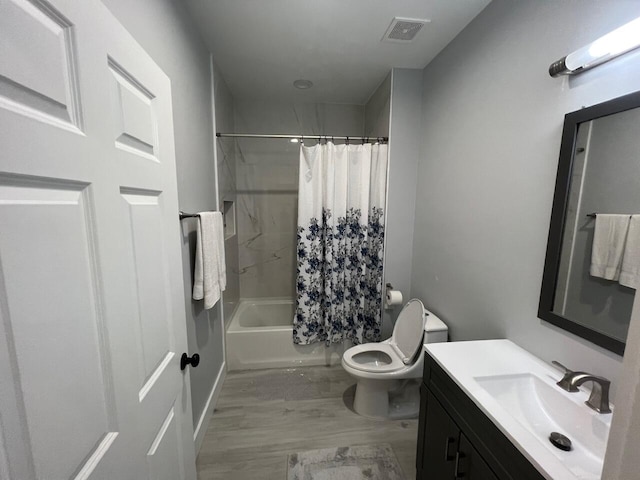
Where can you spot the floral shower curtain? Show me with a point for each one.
(341, 206)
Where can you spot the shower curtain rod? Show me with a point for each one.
(302, 137)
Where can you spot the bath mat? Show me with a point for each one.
(362, 462)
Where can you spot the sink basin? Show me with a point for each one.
(543, 408)
(517, 392)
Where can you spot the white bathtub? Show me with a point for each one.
(260, 336)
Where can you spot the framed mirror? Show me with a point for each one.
(598, 173)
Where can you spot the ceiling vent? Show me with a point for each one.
(403, 29)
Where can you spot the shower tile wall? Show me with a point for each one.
(267, 187)
(226, 155)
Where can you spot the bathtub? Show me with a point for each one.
(260, 336)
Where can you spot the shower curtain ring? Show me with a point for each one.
(301, 139)
(347, 142)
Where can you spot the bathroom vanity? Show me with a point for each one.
(487, 411)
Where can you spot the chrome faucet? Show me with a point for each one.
(599, 398)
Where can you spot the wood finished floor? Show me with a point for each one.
(264, 415)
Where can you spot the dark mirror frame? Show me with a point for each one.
(558, 213)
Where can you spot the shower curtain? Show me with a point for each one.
(341, 206)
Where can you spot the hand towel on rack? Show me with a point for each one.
(609, 237)
(206, 277)
(630, 270)
(219, 241)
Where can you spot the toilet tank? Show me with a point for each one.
(435, 330)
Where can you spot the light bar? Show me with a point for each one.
(605, 48)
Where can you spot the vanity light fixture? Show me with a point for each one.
(613, 44)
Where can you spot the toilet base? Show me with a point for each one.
(393, 399)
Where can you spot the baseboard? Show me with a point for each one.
(207, 412)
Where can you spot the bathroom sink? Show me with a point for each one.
(543, 408)
(518, 393)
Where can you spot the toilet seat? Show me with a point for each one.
(377, 352)
(397, 352)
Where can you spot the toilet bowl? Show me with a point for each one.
(388, 373)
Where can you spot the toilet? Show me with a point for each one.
(388, 373)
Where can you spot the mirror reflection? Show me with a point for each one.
(603, 189)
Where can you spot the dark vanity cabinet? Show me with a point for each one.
(446, 452)
(456, 440)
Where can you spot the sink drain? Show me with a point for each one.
(560, 441)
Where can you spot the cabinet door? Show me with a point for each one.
(440, 441)
(469, 465)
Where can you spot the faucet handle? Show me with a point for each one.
(558, 364)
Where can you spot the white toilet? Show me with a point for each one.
(389, 372)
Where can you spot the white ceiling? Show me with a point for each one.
(262, 46)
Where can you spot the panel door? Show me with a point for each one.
(470, 464)
(440, 442)
(91, 304)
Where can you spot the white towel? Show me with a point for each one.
(218, 226)
(609, 239)
(630, 271)
(209, 258)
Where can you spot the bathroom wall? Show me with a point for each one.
(267, 186)
(377, 117)
(377, 110)
(622, 460)
(404, 152)
(492, 121)
(165, 31)
(226, 168)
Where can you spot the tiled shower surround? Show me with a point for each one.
(267, 187)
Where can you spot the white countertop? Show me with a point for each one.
(465, 362)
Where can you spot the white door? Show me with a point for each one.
(92, 322)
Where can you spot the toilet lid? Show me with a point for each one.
(409, 330)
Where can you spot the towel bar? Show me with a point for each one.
(190, 215)
(594, 215)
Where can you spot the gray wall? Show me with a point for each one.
(165, 31)
(492, 121)
(377, 110)
(377, 118)
(621, 460)
(267, 187)
(404, 152)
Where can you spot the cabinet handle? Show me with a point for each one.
(457, 473)
(447, 457)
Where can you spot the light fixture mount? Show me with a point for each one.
(303, 84)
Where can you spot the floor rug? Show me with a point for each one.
(362, 462)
